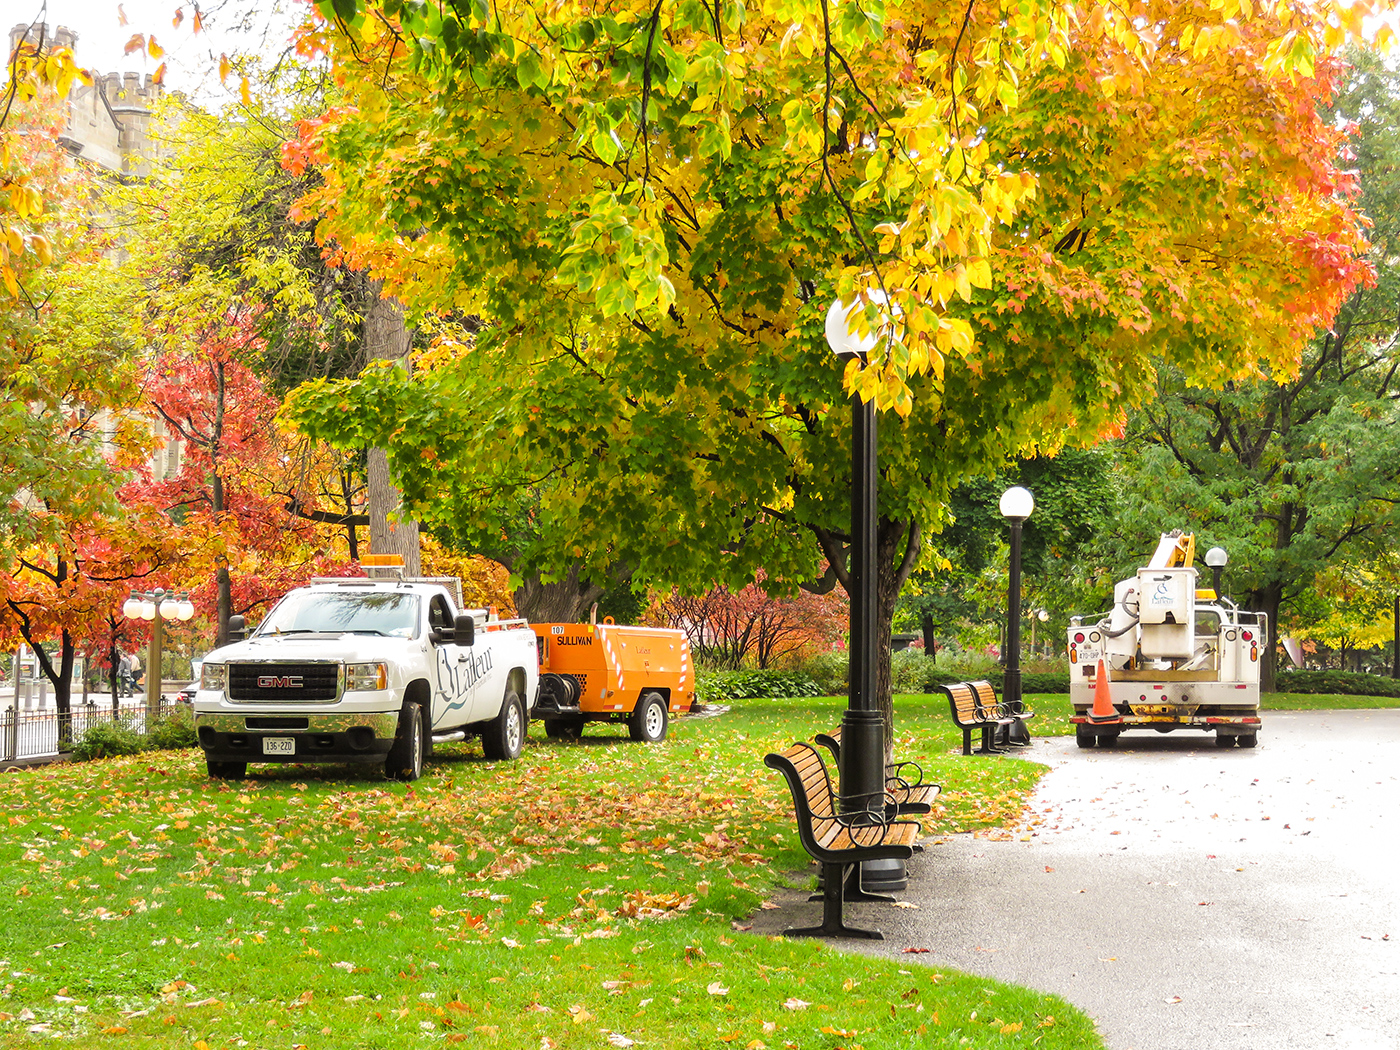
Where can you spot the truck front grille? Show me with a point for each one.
(284, 683)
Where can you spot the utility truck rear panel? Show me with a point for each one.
(366, 670)
(607, 672)
(1167, 656)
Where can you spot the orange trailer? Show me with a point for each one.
(608, 672)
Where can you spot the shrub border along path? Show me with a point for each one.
(584, 896)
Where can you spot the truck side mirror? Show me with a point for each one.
(465, 629)
(237, 628)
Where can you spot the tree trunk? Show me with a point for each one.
(386, 336)
(1267, 600)
(897, 547)
(116, 668)
(930, 638)
(563, 601)
(223, 583)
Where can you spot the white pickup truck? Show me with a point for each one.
(360, 670)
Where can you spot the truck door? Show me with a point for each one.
(455, 687)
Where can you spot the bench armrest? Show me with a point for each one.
(895, 773)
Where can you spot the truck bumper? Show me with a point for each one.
(363, 737)
(1165, 723)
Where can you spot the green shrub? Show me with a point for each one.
(1343, 683)
(717, 687)
(106, 739)
(830, 670)
(911, 671)
(172, 733)
(1031, 681)
(966, 665)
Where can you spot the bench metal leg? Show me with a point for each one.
(833, 883)
(987, 748)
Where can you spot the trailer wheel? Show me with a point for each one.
(1224, 740)
(1248, 739)
(504, 736)
(1084, 738)
(648, 722)
(405, 758)
(563, 728)
(227, 770)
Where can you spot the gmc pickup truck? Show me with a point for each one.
(370, 671)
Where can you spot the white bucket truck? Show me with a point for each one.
(1167, 656)
(367, 670)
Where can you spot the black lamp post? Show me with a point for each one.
(1217, 559)
(862, 780)
(1016, 506)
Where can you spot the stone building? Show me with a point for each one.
(109, 119)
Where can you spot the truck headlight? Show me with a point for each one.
(366, 676)
(213, 677)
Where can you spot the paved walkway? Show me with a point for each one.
(1186, 897)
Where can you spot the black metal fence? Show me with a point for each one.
(38, 734)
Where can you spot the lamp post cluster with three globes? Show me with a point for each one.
(156, 606)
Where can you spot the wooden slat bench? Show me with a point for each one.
(837, 840)
(974, 706)
(905, 789)
(1017, 734)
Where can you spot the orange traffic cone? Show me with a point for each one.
(1103, 710)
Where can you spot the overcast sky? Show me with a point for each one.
(192, 61)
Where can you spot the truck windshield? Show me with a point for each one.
(336, 612)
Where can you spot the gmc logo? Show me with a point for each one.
(270, 681)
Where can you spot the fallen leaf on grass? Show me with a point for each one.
(715, 988)
(796, 1004)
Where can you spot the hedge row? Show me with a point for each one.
(1031, 681)
(717, 687)
(1341, 683)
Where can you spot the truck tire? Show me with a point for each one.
(405, 758)
(227, 770)
(1224, 740)
(504, 736)
(1084, 738)
(563, 728)
(649, 720)
(1248, 739)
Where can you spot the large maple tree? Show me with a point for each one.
(654, 205)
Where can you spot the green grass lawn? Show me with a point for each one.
(1324, 702)
(587, 895)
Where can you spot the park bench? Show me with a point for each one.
(838, 841)
(905, 789)
(974, 706)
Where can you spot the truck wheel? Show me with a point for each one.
(1224, 740)
(504, 736)
(405, 758)
(1084, 738)
(1248, 739)
(563, 728)
(649, 720)
(227, 770)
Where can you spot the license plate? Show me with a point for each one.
(1087, 656)
(279, 745)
